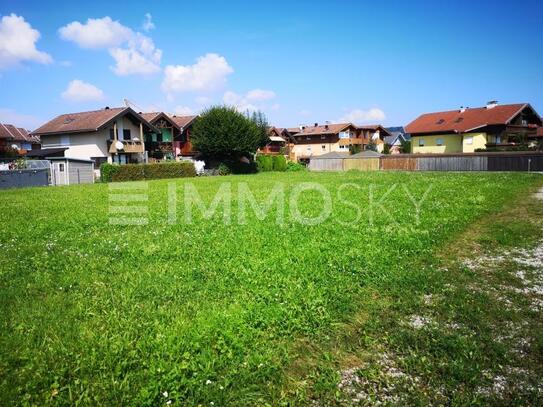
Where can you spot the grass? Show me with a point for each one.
(255, 313)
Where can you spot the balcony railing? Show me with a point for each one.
(129, 146)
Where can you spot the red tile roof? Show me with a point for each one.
(85, 121)
(322, 129)
(79, 122)
(456, 121)
(10, 132)
(183, 121)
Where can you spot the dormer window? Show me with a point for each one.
(440, 121)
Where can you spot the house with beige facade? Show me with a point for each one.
(316, 140)
(114, 135)
(467, 130)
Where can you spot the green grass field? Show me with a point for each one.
(215, 313)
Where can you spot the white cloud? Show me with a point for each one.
(18, 43)
(96, 33)
(183, 111)
(26, 121)
(133, 52)
(260, 94)
(79, 91)
(361, 116)
(249, 101)
(148, 24)
(208, 73)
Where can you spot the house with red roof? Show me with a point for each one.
(105, 135)
(173, 138)
(312, 141)
(17, 138)
(466, 130)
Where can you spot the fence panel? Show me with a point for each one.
(452, 163)
(361, 164)
(516, 163)
(24, 178)
(326, 164)
(399, 163)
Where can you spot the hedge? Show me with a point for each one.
(264, 162)
(138, 172)
(279, 163)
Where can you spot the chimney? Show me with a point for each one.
(492, 104)
(462, 109)
(106, 108)
(316, 124)
(326, 126)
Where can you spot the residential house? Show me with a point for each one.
(182, 143)
(17, 138)
(397, 137)
(278, 141)
(106, 135)
(467, 129)
(316, 140)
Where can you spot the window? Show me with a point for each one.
(111, 134)
(323, 147)
(126, 134)
(308, 138)
(421, 142)
(344, 134)
(439, 142)
(468, 140)
(61, 167)
(309, 149)
(323, 137)
(64, 140)
(459, 120)
(440, 121)
(498, 139)
(98, 161)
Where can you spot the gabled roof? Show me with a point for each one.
(10, 132)
(153, 117)
(366, 154)
(183, 121)
(87, 121)
(323, 129)
(461, 121)
(331, 155)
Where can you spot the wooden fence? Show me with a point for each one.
(495, 161)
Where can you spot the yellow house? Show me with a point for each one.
(468, 130)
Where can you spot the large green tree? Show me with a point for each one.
(222, 131)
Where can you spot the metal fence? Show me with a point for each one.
(24, 178)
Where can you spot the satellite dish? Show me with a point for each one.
(136, 139)
(119, 145)
(15, 146)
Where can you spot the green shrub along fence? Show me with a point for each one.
(271, 162)
(138, 172)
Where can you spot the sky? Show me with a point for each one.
(299, 62)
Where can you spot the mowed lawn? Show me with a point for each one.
(211, 312)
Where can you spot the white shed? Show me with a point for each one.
(70, 171)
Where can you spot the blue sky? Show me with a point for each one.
(300, 62)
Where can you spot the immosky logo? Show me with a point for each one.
(128, 203)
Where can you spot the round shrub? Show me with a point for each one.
(264, 162)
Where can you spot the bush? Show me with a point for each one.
(293, 166)
(138, 172)
(279, 163)
(107, 171)
(264, 162)
(224, 169)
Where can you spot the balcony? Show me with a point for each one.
(130, 146)
(351, 141)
